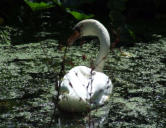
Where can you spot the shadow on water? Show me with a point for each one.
(93, 119)
(44, 24)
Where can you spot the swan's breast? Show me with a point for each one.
(84, 85)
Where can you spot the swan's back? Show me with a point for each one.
(84, 89)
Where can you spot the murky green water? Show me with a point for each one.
(27, 75)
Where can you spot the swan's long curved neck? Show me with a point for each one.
(104, 39)
(94, 28)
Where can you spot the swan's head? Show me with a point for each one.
(89, 27)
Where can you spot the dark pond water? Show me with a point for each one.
(27, 82)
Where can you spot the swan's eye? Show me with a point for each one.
(77, 29)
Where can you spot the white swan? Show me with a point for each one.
(83, 88)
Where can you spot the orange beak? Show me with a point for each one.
(73, 37)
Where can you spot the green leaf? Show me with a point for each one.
(78, 15)
(38, 6)
(132, 34)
